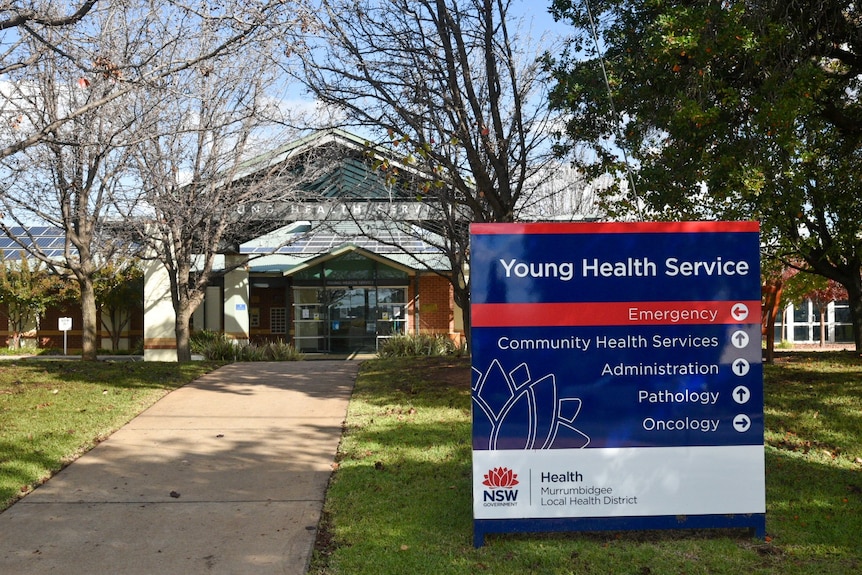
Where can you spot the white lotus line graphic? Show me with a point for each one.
(514, 398)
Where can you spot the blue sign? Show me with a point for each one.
(617, 378)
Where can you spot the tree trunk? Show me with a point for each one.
(115, 340)
(822, 326)
(854, 299)
(183, 315)
(771, 302)
(461, 295)
(89, 321)
(115, 330)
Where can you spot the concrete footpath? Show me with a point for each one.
(225, 475)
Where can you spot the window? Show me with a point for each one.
(803, 322)
(843, 323)
(278, 320)
(391, 311)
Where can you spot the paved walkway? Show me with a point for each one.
(224, 475)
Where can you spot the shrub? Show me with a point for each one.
(216, 346)
(220, 349)
(419, 345)
(280, 351)
(200, 340)
(248, 352)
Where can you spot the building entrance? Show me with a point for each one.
(348, 304)
(347, 319)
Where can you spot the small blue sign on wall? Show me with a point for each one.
(617, 378)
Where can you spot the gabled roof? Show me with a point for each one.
(298, 147)
(347, 248)
(292, 245)
(324, 239)
(352, 177)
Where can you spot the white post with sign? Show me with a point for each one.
(65, 326)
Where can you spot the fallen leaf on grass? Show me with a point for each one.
(768, 549)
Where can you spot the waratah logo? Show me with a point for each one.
(501, 477)
(512, 410)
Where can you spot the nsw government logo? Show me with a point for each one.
(501, 480)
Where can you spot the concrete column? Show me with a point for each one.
(236, 318)
(213, 308)
(160, 339)
(198, 318)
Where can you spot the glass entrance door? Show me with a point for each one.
(347, 319)
(352, 319)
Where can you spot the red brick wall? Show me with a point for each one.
(435, 305)
(50, 336)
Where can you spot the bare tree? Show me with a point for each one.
(41, 28)
(68, 181)
(75, 110)
(453, 91)
(22, 43)
(21, 17)
(561, 193)
(195, 159)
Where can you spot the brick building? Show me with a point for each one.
(329, 273)
(336, 272)
(347, 297)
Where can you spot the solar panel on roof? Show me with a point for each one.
(50, 240)
(390, 242)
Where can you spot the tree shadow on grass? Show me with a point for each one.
(390, 494)
(20, 471)
(812, 504)
(155, 375)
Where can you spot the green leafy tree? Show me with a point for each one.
(119, 289)
(26, 292)
(726, 109)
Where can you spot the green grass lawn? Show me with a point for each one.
(400, 500)
(51, 411)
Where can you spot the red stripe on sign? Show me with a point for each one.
(613, 228)
(614, 313)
